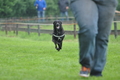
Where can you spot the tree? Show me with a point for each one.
(19, 8)
(26, 8)
(30, 8)
(118, 7)
(52, 7)
(6, 8)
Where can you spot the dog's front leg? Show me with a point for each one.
(59, 46)
(55, 46)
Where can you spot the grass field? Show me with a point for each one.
(32, 57)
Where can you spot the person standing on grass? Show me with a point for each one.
(63, 6)
(41, 7)
(94, 18)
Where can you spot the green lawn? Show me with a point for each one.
(32, 57)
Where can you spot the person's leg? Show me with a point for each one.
(38, 16)
(106, 10)
(62, 16)
(43, 15)
(86, 14)
(67, 17)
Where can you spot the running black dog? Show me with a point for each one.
(58, 34)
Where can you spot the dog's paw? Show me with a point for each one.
(58, 49)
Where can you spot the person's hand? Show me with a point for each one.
(36, 6)
(117, 11)
(44, 8)
(67, 7)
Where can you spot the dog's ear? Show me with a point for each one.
(60, 22)
(54, 22)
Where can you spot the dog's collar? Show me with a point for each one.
(59, 36)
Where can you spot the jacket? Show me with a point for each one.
(62, 5)
(40, 4)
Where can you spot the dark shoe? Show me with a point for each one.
(85, 72)
(97, 74)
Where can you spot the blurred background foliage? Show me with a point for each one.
(26, 8)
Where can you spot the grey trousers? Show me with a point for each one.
(94, 18)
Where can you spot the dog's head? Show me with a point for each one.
(57, 24)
